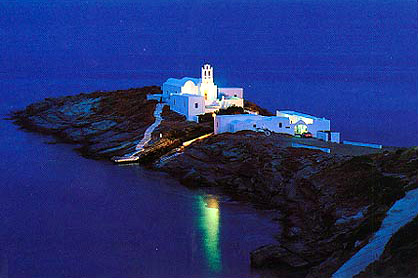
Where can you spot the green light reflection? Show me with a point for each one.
(209, 222)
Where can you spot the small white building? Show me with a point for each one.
(231, 92)
(188, 105)
(234, 123)
(289, 122)
(328, 136)
(303, 123)
(185, 95)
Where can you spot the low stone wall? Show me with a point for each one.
(157, 97)
(325, 150)
(375, 146)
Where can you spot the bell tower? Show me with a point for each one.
(207, 88)
(207, 74)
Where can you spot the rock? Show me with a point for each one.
(310, 188)
(295, 231)
(400, 257)
(329, 202)
(346, 219)
(327, 267)
(274, 256)
(106, 124)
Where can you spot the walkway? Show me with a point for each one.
(147, 134)
(132, 157)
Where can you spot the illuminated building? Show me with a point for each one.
(196, 96)
(289, 122)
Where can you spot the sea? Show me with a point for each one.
(62, 215)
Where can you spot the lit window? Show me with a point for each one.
(196, 105)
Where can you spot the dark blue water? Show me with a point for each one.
(66, 216)
(354, 62)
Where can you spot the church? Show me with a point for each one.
(192, 97)
(196, 96)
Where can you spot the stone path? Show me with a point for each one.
(147, 135)
(132, 157)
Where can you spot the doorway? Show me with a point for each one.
(300, 129)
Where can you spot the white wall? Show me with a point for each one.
(231, 92)
(222, 122)
(294, 118)
(196, 107)
(325, 150)
(190, 88)
(314, 124)
(225, 103)
(318, 125)
(186, 105)
(322, 135)
(211, 90)
(275, 124)
(169, 89)
(335, 137)
(376, 146)
(234, 123)
(331, 136)
(156, 97)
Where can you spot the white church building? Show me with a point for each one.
(196, 96)
(192, 97)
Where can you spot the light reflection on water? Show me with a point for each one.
(106, 221)
(209, 226)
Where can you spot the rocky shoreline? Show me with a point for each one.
(327, 204)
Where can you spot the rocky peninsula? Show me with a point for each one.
(328, 205)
